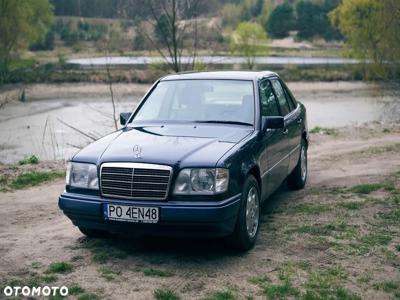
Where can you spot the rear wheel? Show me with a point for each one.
(297, 179)
(94, 233)
(247, 225)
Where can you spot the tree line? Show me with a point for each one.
(125, 9)
(309, 19)
(369, 27)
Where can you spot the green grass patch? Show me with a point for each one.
(108, 273)
(387, 286)
(358, 249)
(372, 187)
(364, 278)
(49, 278)
(376, 239)
(157, 272)
(339, 230)
(280, 291)
(75, 290)
(60, 267)
(340, 293)
(34, 178)
(31, 160)
(352, 205)
(395, 199)
(322, 282)
(165, 294)
(226, 295)
(326, 131)
(392, 216)
(76, 257)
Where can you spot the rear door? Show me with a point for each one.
(296, 119)
(273, 159)
(291, 114)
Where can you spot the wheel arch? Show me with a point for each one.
(304, 136)
(255, 171)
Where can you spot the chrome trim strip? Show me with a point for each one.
(118, 188)
(286, 156)
(138, 166)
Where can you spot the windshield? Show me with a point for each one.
(200, 101)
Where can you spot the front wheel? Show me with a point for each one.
(297, 179)
(247, 225)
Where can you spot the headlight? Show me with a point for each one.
(82, 175)
(202, 181)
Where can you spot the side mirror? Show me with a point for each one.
(272, 123)
(124, 117)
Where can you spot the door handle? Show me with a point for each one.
(299, 121)
(285, 131)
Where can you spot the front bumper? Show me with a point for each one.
(177, 218)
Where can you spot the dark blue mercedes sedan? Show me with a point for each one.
(197, 157)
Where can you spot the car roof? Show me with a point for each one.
(232, 75)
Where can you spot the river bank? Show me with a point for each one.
(42, 125)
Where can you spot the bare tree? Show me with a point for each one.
(107, 45)
(172, 32)
(110, 86)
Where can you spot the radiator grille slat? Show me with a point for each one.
(135, 181)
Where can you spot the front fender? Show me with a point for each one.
(241, 160)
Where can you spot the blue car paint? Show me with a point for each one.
(180, 145)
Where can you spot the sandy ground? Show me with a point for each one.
(286, 258)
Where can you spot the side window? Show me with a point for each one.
(289, 97)
(289, 100)
(280, 94)
(269, 106)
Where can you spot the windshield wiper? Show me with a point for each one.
(224, 122)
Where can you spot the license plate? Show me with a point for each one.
(128, 213)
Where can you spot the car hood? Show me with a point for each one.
(183, 144)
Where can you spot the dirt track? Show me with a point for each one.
(318, 241)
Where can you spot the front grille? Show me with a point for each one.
(135, 181)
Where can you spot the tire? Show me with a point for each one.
(93, 233)
(298, 178)
(243, 238)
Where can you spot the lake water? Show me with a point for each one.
(98, 62)
(37, 127)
